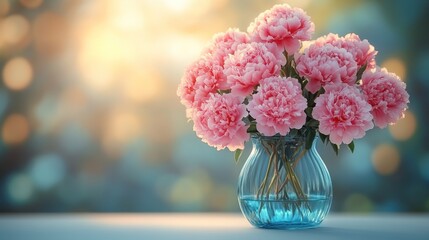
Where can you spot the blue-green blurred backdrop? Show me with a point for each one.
(90, 120)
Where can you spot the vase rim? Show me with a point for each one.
(278, 136)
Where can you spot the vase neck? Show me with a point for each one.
(296, 141)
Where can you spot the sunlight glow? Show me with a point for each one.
(405, 128)
(178, 5)
(15, 129)
(385, 159)
(102, 51)
(397, 66)
(142, 86)
(49, 31)
(120, 127)
(17, 73)
(14, 28)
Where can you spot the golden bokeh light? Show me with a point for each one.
(31, 3)
(17, 73)
(174, 51)
(191, 7)
(102, 57)
(305, 45)
(14, 28)
(405, 128)
(15, 129)
(178, 5)
(296, 3)
(50, 32)
(142, 86)
(385, 159)
(120, 127)
(397, 66)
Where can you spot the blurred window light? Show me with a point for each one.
(385, 159)
(19, 189)
(14, 28)
(15, 129)
(405, 128)
(397, 66)
(31, 3)
(17, 73)
(47, 170)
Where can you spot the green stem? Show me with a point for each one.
(264, 182)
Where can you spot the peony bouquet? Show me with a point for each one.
(267, 82)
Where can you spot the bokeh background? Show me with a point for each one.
(90, 120)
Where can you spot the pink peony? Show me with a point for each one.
(387, 95)
(206, 75)
(283, 25)
(278, 106)
(343, 113)
(251, 63)
(363, 52)
(226, 43)
(218, 122)
(202, 77)
(326, 64)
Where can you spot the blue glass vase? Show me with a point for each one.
(283, 184)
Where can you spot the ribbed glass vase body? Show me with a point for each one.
(283, 184)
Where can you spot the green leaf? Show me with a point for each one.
(293, 132)
(360, 72)
(323, 137)
(221, 92)
(237, 155)
(313, 123)
(252, 128)
(336, 148)
(310, 137)
(309, 111)
(351, 146)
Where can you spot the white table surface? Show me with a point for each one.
(205, 226)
